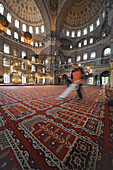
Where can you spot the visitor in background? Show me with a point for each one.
(77, 78)
(101, 82)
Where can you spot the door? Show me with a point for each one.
(23, 79)
(6, 78)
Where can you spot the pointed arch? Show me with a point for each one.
(43, 10)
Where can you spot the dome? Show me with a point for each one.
(82, 12)
(25, 10)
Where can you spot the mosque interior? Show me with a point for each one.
(39, 41)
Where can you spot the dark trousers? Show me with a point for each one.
(79, 91)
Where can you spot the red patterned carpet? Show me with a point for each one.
(38, 132)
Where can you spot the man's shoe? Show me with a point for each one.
(60, 98)
(79, 99)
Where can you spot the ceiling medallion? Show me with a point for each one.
(53, 5)
(27, 35)
(3, 21)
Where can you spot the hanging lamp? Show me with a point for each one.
(3, 20)
(27, 35)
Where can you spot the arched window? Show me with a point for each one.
(24, 27)
(85, 31)
(78, 58)
(33, 59)
(36, 44)
(23, 54)
(40, 44)
(15, 52)
(43, 70)
(91, 40)
(78, 33)
(91, 28)
(107, 51)
(42, 29)
(93, 55)
(69, 60)
(1, 9)
(67, 33)
(37, 30)
(85, 56)
(33, 68)
(31, 29)
(103, 34)
(8, 31)
(32, 43)
(73, 34)
(16, 35)
(9, 17)
(6, 62)
(85, 42)
(103, 14)
(23, 66)
(6, 49)
(6, 78)
(79, 45)
(98, 22)
(43, 80)
(22, 39)
(60, 62)
(71, 46)
(16, 23)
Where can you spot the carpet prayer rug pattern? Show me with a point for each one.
(39, 132)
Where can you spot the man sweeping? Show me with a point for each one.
(77, 78)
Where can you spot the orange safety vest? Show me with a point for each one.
(76, 75)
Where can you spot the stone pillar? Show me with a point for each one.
(38, 80)
(111, 75)
(1, 69)
(111, 64)
(111, 46)
(98, 81)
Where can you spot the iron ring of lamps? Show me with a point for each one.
(27, 35)
(3, 20)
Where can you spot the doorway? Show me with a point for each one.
(6, 78)
(104, 78)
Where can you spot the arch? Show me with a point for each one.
(62, 14)
(43, 10)
(96, 80)
(93, 54)
(104, 78)
(69, 60)
(62, 57)
(104, 74)
(104, 50)
(1, 8)
(68, 12)
(42, 55)
(66, 43)
(64, 76)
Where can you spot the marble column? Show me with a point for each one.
(1, 69)
(111, 64)
(111, 74)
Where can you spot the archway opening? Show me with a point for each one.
(104, 78)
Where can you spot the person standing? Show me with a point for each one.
(77, 78)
